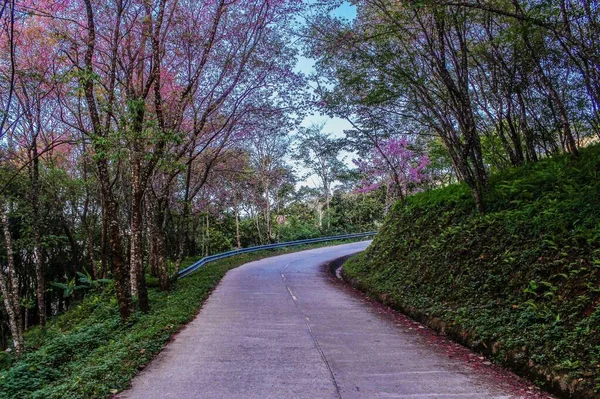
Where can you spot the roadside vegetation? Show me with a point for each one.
(87, 352)
(520, 282)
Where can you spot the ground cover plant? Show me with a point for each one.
(520, 281)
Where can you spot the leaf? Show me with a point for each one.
(59, 285)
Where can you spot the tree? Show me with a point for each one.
(394, 166)
(319, 153)
(267, 156)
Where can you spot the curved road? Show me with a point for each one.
(283, 327)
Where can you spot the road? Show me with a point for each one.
(283, 327)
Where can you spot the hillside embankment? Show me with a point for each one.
(520, 283)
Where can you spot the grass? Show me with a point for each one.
(88, 352)
(521, 281)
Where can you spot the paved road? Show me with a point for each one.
(283, 327)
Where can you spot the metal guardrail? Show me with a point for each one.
(192, 268)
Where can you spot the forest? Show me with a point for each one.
(137, 133)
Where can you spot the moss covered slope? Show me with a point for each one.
(521, 282)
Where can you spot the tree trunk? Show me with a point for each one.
(152, 265)
(38, 254)
(90, 249)
(156, 232)
(207, 241)
(569, 143)
(161, 243)
(257, 223)
(9, 286)
(327, 203)
(138, 278)
(467, 158)
(115, 256)
(187, 240)
(460, 162)
(104, 247)
(527, 131)
(514, 135)
(237, 228)
(161, 249)
(319, 209)
(269, 233)
(87, 221)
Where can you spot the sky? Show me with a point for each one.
(335, 126)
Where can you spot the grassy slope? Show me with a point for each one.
(523, 280)
(88, 353)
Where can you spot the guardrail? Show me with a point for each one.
(192, 268)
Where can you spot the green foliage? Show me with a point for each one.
(86, 280)
(298, 228)
(69, 288)
(525, 274)
(356, 213)
(218, 242)
(5, 360)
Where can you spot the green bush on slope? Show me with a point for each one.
(87, 352)
(526, 274)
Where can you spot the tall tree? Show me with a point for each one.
(319, 153)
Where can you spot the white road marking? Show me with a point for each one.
(292, 294)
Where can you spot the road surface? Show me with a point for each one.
(283, 327)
